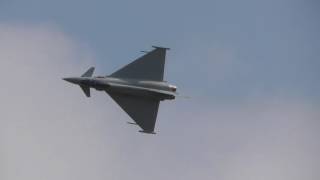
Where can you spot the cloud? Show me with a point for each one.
(49, 130)
(270, 138)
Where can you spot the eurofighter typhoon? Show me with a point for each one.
(137, 88)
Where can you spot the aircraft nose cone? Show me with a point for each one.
(71, 80)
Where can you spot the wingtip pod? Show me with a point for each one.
(159, 47)
(147, 132)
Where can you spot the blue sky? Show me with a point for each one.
(250, 67)
(272, 46)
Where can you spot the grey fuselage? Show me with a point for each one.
(159, 90)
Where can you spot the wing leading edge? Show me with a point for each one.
(147, 67)
(142, 110)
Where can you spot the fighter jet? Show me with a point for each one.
(137, 87)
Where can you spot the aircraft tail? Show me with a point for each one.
(84, 88)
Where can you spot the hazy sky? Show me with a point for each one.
(251, 68)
